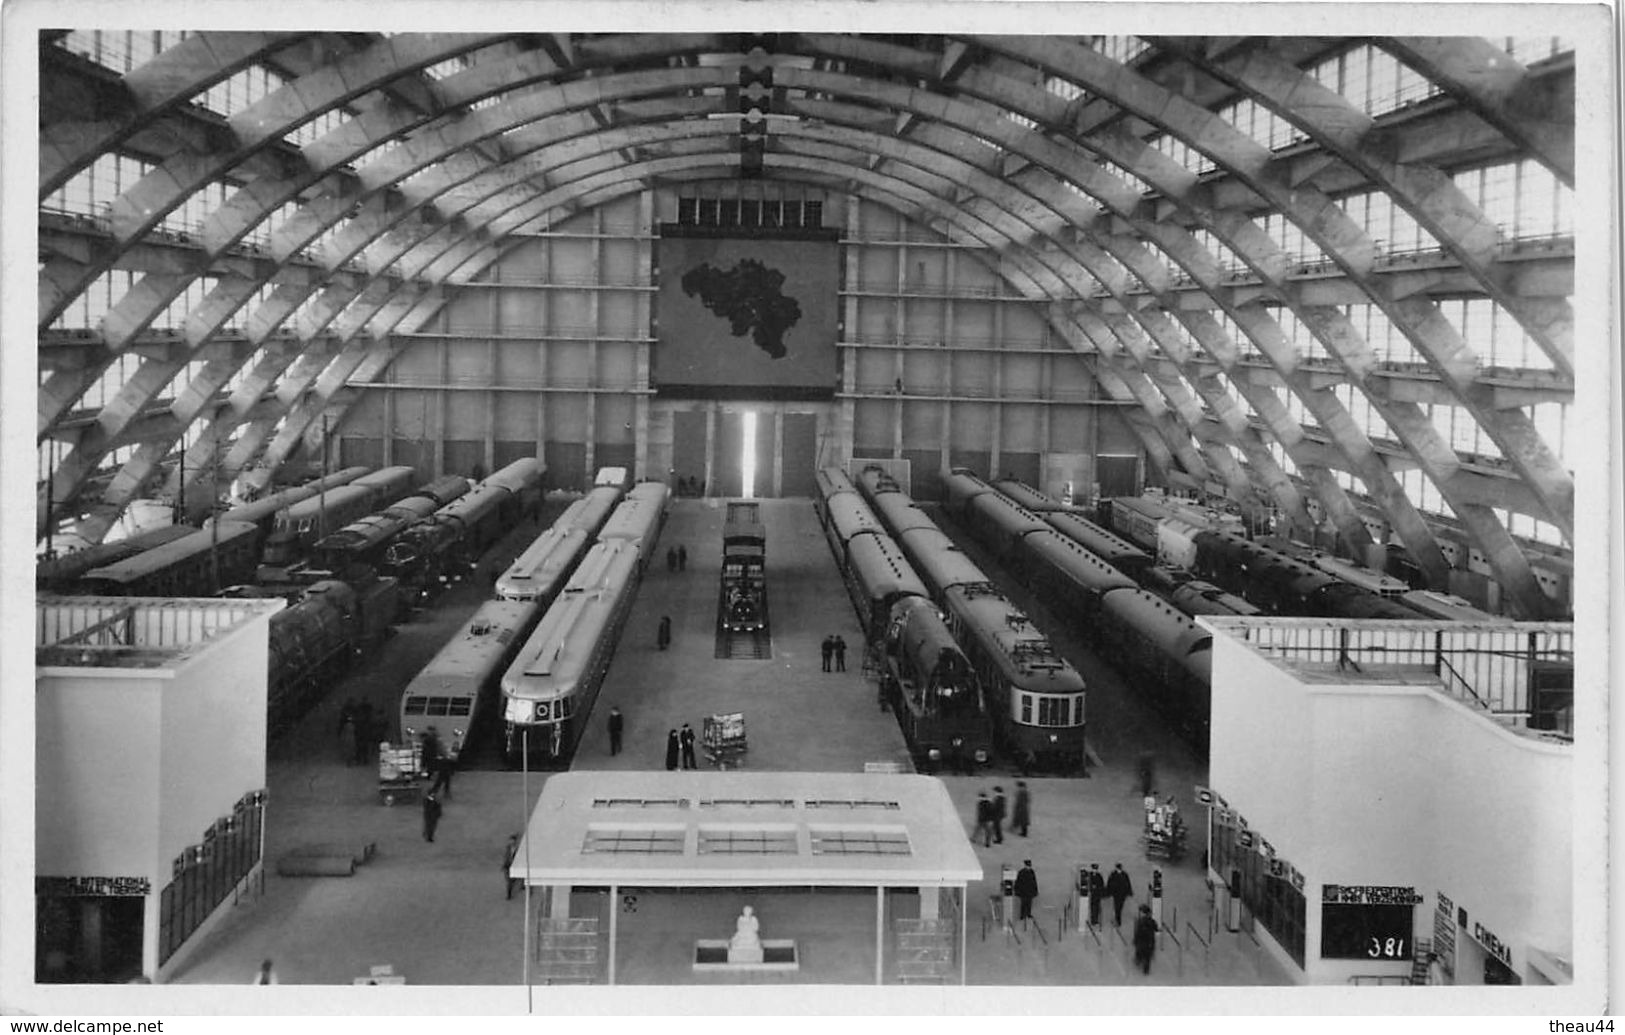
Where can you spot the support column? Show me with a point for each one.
(962, 897)
(880, 934)
(614, 917)
(778, 452)
(713, 413)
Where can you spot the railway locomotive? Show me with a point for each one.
(549, 688)
(1143, 635)
(742, 594)
(364, 541)
(317, 637)
(453, 687)
(1035, 697)
(927, 680)
(294, 529)
(441, 548)
(1266, 576)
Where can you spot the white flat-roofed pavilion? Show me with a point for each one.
(705, 829)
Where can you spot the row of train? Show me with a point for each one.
(1135, 606)
(965, 671)
(1275, 576)
(345, 589)
(546, 638)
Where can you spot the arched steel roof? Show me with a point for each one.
(426, 179)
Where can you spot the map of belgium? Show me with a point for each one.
(749, 296)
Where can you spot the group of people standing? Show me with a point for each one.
(990, 814)
(833, 648)
(677, 558)
(680, 748)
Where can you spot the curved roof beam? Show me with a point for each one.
(148, 93)
(1427, 194)
(1321, 221)
(1537, 115)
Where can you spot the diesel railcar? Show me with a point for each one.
(549, 689)
(450, 691)
(195, 565)
(1034, 695)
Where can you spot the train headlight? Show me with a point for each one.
(981, 755)
(457, 734)
(541, 711)
(408, 732)
(934, 755)
(1053, 739)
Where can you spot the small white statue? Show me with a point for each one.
(746, 944)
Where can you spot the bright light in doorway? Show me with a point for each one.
(748, 453)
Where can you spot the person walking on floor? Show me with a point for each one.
(671, 749)
(445, 768)
(1026, 888)
(671, 558)
(663, 637)
(347, 714)
(984, 819)
(1119, 888)
(1097, 893)
(1145, 940)
(431, 816)
(998, 815)
(616, 723)
(1021, 814)
(682, 557)
(840, 653)
(266, 975)
(685, 739)
(827, 650)
(509, 854)
(361, 727)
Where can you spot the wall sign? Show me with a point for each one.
(92, 887)
(1370, 894)
(1444, 934)
(1493, 945)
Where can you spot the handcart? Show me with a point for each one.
(400, 771)
(1164, 834)
(724, 739)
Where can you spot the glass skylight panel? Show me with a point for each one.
(637, 840)
(776, 840)
(859, 841)
(1063, 88)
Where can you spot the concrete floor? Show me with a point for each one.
(436, 912)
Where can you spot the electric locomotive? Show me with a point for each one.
(1036, 698)
(742, 594)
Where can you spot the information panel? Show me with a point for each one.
(746, 316)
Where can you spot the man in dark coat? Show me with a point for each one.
(508, 856)
(671, 749)
(347, 714)
(361, 726)
(685, 739)
(984, 819)
(1097, 893)
(1120, 888)
(663, 637)
(445, 767)
(1021, 814)
(840, 653)
(998, 815)
(1026, 888)
(682, 558)
(671, 558)
(1145, 939)
(616, 723)
(827, 650)
(431, 816)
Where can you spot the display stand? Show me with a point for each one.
(724, 739)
